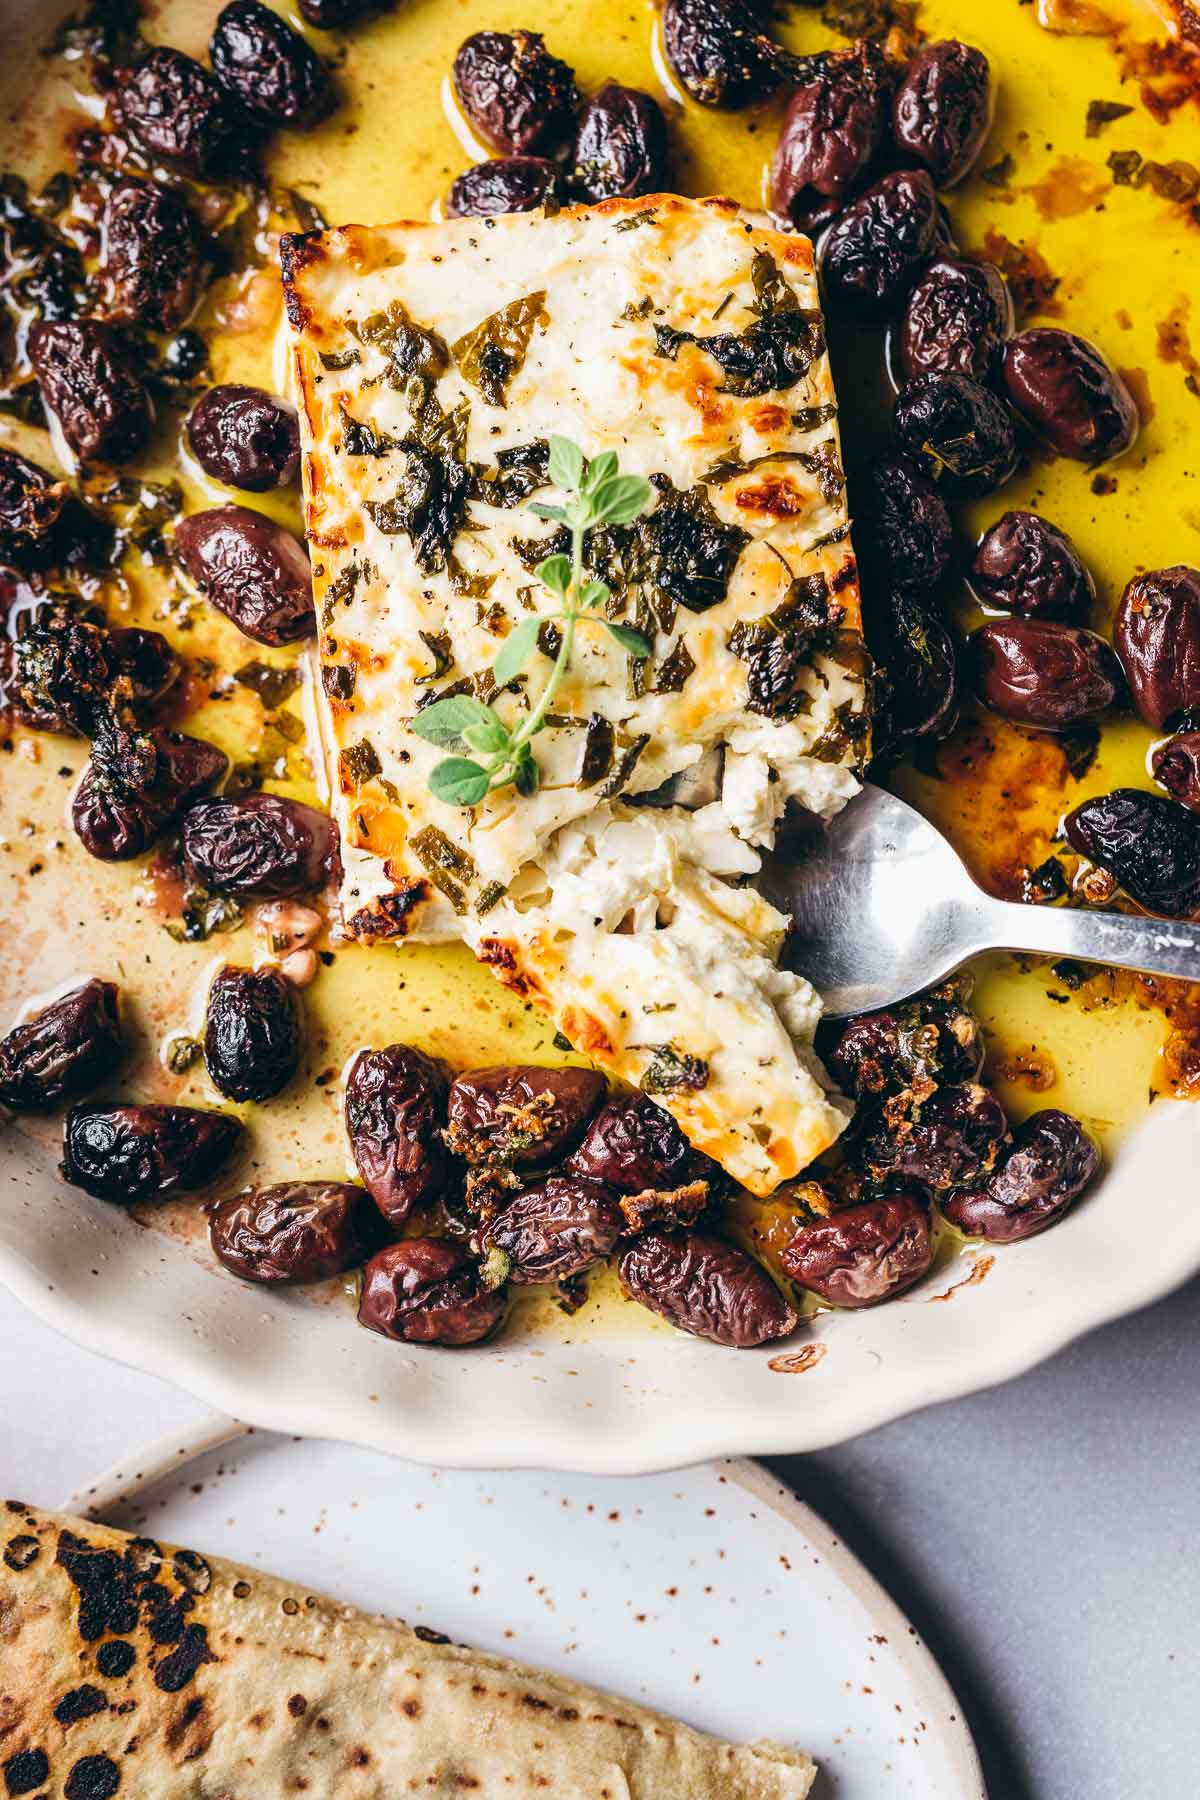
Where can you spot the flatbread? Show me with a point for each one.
(132, 1668)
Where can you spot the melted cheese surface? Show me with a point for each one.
(431, 363)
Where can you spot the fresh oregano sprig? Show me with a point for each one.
(595, 493)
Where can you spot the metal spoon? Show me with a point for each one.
(883, 907)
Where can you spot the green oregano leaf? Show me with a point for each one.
(516, 650)
(633, 641)
(458, 781)
(446, 720)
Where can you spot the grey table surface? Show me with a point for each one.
(1041, 1536)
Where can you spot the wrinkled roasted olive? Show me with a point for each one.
(906, 528)
(69, 675)
(330, 15)
(953, 1136)
(518, 97)
(429, 1291)
(246, 437)
(136, 785)
(131, 1153)
(1149, 843)
(942, 111)
(930, 1039)
(1051, 1162)
(1176, 766)
(957, 431)
(1063, 388)
(957, 319)
(273, 73)
(32, 505)
(556, 1229)
(151, 254)
(830, 138)
(719, 50)
(252, 570)
(633, 1144)
(865, 1253)
(89, 384)
(395, 1106)
(703, 1285)
(295, 1232)
(261, 846)
(620, 145)
(175, 112)
(253, 1035)
(870, 255)
(1026, 565)
(1157, 635)
(62, 1051)
(522, 1115)
(918, 662)
(507, 184)
(1041, 672)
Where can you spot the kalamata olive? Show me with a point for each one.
(144, 661)
(1176, 766)
(32, 503)
(429, 1291)
(932, 1039)
(331, 15)
(1026, 565)
(1157, 635)
(865, 1253)
(1043, 673)
(62, 673)
(620, 145)
(131, 1153)
(957, 319)
(918, 662)
(954, 1135)
(246, 437)
(69, 675)
(175, 112)
(137, 784)
(633, 1144)
(253, 1035)
(151, 255)
(183, 362)
(519, 98)
(705, 1286)
(252, 570)
(556, 1229)
(957, 431)
(1063, 388)
(64, 1050)
(870, 255)
(294, 1232)
(273, 73)
(89, 384)
(1050, 1163)
(395, 1107)
(719, 50)
(942, 111)
(260, 846)
(1149, 843)
(830, 138)
(521, 1114)
(507, 184)
(905, 527)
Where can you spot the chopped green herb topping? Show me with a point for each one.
(490, 356)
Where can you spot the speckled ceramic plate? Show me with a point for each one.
(713, 1595)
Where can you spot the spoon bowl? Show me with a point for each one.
(882, 907)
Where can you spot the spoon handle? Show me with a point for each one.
(1154, 946)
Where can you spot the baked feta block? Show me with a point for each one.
(432, 363)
